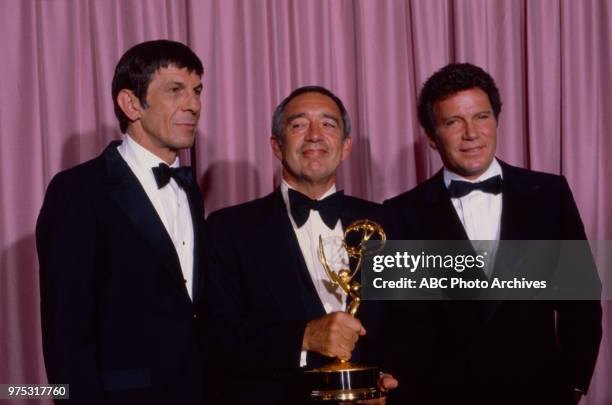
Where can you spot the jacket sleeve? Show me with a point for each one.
(66, 244)
(578, 322)
(241, 338)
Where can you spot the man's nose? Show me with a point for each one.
(193, 103)
(470, 131)
(314, 133)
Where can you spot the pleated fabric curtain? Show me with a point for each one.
(552, 60)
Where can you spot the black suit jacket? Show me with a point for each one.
(474, 352)
(260, 297)
(117, 322)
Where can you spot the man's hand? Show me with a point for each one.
(333, 335)
(386, 382)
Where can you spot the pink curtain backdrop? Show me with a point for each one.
(552, 60)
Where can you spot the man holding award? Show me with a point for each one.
(272, 309)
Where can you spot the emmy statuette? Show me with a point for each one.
(342, 380)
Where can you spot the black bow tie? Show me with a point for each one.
(458, 189)
(182, 175)
(329, 208)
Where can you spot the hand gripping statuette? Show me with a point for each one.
(342, 380)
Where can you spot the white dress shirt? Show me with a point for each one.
(170, 202)
(308, 238)
(479, 212)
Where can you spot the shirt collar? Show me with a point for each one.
(285, 192)
(142, 157)
(493, 170)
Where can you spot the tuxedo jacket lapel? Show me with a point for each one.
(196, 206)
(444, 224)
(515, 206)
(442, 216)
(514, 225)
(129, 195)
(287, 267)
(348, 215)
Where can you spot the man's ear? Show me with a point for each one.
(276, 148)
(432, 142)
(347, 146)
(129, 104)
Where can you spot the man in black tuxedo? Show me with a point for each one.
(486, 352)
(272, 309)
(118, 242)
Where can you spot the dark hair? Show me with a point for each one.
(277, 118)
(136, 67)
(449, 80)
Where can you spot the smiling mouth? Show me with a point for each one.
(186, 126)
(314, 152)
(472, 150)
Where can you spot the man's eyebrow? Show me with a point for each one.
(459, 116)
(300, 115)
(332, 117)
(176, 83)
(294, 116)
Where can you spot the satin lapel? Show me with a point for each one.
(196, 206)
(514, 226)
(347, 215)
(132, 199)
(442, 223)
(517, 221)
(515, 207)
(286, 265)
(441, 217)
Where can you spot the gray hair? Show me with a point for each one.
(277, 118)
